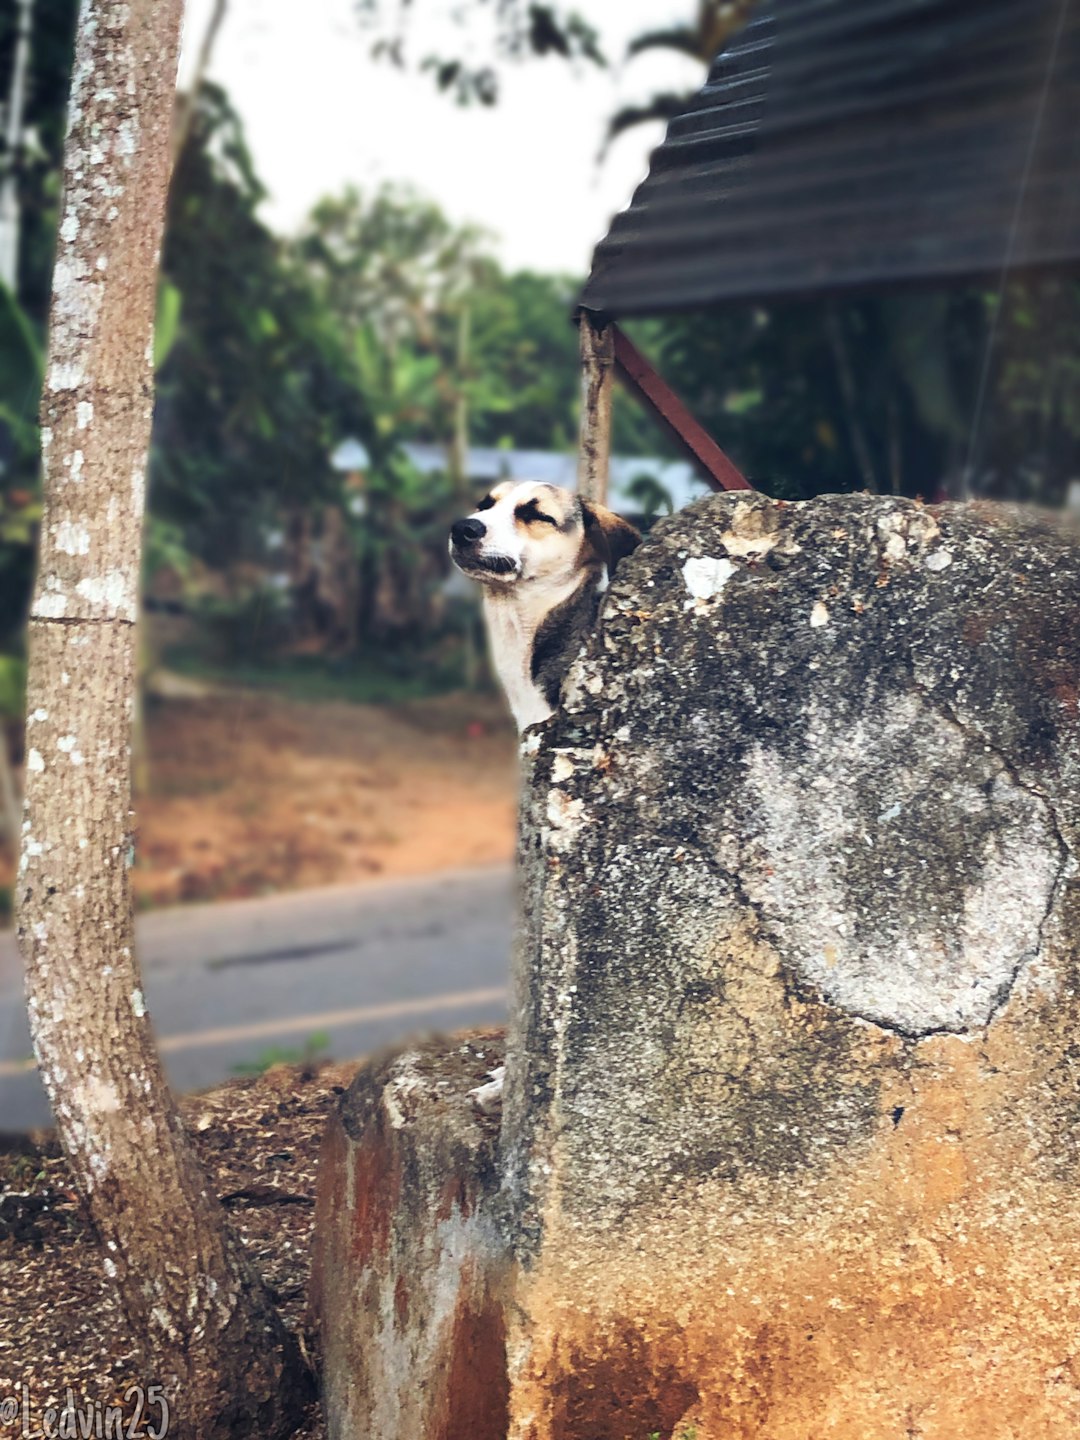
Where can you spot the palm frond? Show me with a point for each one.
(660, 107)
(686, 39)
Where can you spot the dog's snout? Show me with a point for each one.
(467, 532)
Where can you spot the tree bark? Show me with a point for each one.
(212, 1336)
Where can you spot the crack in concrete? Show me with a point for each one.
(946, 712)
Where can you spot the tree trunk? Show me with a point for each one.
(9, 187)
(459, 443)
(187, 104)
(213, 1339)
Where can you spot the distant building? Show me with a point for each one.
(678, 479)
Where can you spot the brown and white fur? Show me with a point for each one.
(544, 558)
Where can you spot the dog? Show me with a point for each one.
(544, 558)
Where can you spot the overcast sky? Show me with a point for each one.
(319, 114)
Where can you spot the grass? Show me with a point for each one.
(309, 1054)
(366, 680)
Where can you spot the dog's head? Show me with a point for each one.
(523, 533)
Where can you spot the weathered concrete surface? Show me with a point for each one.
(790, 1136)
(791, 1122)
(411, 1331)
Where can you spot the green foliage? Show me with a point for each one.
(769, 383)
(446, 348)
(527, 349)
(649, 495)
(38, 172)
(164, 548)
(701, 39)
(391, 678)
(500, 31)
(166, 322)
(312, 1052)
(251, 624)
(20, 507)
(12, 687)
(257, 387)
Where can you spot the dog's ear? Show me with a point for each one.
(609, 535)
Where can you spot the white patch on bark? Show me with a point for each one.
(72, 539)
(111, 591)
(51, 606)
(138, 1004)
(36, 764)
(84, 410)
(127, 137)
(819, 615)
(66, 375)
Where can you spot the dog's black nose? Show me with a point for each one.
(467, 532)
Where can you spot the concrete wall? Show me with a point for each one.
(790, 1135)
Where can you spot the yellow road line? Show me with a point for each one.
(304, 1024)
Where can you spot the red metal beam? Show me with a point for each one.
(702, 449)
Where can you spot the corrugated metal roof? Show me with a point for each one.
(860, 142)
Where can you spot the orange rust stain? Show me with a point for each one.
(618, 1391)
(924, 1284)
(476, 1400)
(401, 1303)
(376, 1177)
(455, 1193)
(329, 1202)
(838, 1352)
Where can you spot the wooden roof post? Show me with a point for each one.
(597, 378)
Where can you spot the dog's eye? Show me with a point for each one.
(530, 511)
(487, 503)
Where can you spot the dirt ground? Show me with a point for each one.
(250, 793)
(60, 1324)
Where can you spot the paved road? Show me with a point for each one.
(229, 983)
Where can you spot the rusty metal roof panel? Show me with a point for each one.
(843, 143)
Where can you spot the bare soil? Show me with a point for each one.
(249, 793)
(60, 1325)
